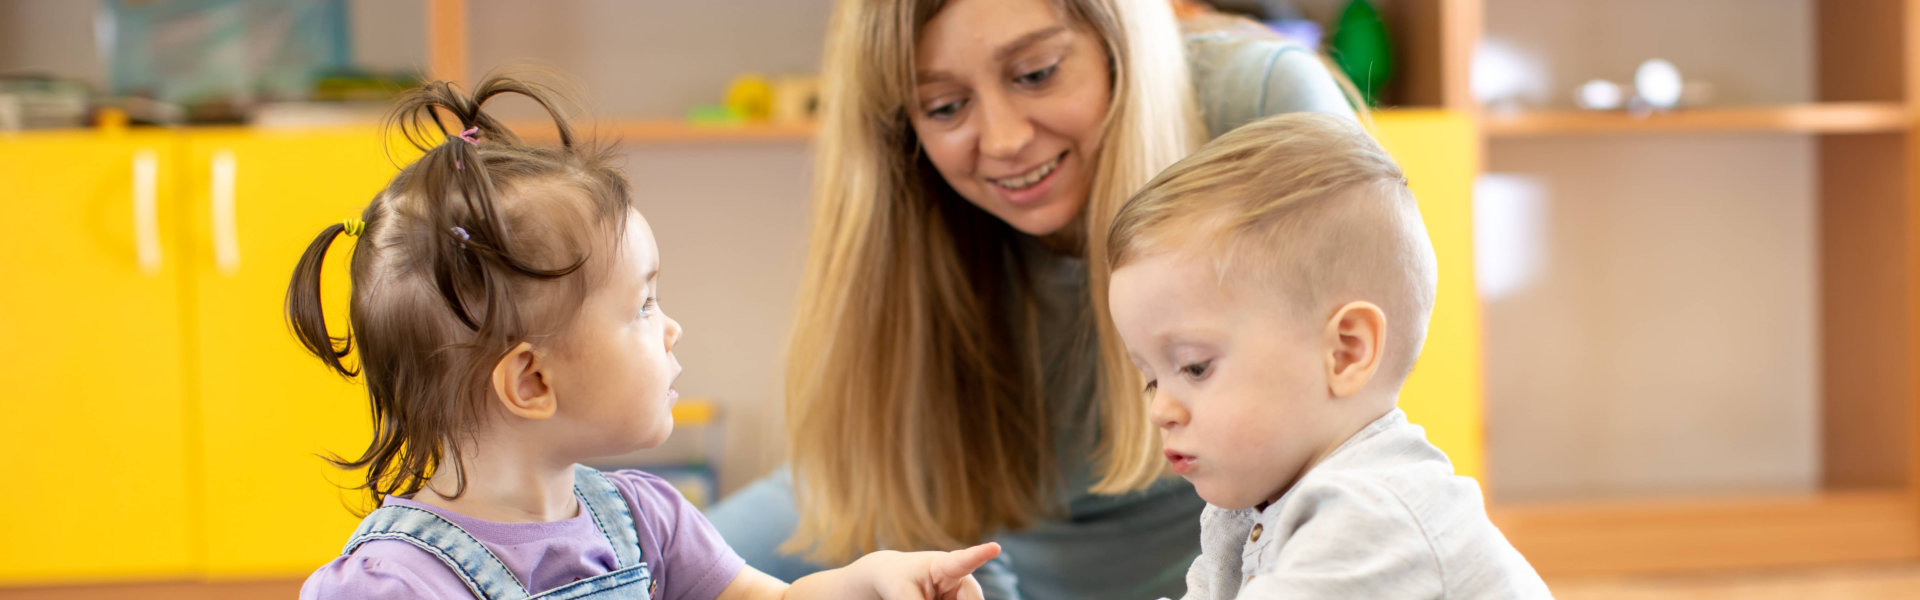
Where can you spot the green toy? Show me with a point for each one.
(1361, 47)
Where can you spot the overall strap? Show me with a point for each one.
(484, 574)
(599, 497)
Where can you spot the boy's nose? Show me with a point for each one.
(1166, 411)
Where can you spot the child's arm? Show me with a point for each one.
(883, 575)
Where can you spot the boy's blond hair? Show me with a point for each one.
(1307, 204)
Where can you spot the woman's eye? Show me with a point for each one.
(1196, 371)
(1037, 77)
(944, 111)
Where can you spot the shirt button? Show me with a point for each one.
(1256, 533)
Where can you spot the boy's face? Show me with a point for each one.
(1238, 383)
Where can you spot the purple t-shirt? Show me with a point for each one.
(688, 559)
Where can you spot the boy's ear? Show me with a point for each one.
(1353, 341)
(520, 381)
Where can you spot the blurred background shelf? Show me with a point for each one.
(1821, 117)
(642, 131)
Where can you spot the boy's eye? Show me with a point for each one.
(1196, 371)
(1037, 77)
(646, 307)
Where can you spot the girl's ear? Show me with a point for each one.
(520, 381)
(1352, 342)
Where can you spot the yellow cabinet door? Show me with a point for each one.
(94, 435)
(1439, 152)
(268, 410)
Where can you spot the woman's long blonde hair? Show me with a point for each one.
(915, 412)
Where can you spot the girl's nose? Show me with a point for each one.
(673, 333)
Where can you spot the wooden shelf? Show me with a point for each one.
(1825, 117)
(671, 131)
(1677, 536)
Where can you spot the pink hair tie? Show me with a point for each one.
(469, 137)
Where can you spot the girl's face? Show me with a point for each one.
(1008, 103)
(618, 388)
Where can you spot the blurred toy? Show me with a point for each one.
(1599, 94)
(751, 97)
(714, 114)
(796, 98)
(1657, 84)
(1361, 47)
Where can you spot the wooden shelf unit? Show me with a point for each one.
(1867, 508)
(671, 131)
(1823, 117)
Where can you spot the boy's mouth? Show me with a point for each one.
(1181, 462)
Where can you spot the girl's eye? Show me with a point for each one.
(1151, 386)
(945, 111)
(646, 308)
(1037, 77)
(1197, 371)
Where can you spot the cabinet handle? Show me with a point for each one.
(146, 210)
(226, 230)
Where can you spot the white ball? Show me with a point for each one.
(1658, 83)
(1599, 94)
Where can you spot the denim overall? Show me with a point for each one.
(489, 579)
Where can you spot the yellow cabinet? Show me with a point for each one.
(268, 410)
(95, 430)
(161, 421)
(1439, 152)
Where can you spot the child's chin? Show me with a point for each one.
(1223, 498)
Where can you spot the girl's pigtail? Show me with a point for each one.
(304, 311)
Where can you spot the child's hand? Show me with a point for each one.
(926, 575)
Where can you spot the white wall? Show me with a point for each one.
(1651, 316)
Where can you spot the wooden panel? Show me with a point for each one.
(94, 437)
(1857, 50)
(1867, 299)
(1701, 535)
(1826, 117)
(447, 41)
(643, 131)
(1435, 51)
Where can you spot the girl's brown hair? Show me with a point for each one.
(480, 244)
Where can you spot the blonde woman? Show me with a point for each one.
(950, 376)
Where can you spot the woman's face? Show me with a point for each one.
(1008, 103)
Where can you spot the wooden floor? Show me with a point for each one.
(1892, 582)
(1849, 583)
